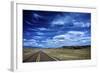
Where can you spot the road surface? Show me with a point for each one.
(39, 56)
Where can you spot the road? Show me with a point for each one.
(39, 56)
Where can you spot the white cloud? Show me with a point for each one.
(68, 39)
(58, 22)
(37, 37)
(28, 23)
(76, 33)
(42, 29)
(30, 42)
(88, 24)
(37, 15)
(24, 39)
(81, 24)
(70, 35)
(61, 20)
(53, 43)
(39, 29)
(41, 45)
(62, 37)
(40, 33)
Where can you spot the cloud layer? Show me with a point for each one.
(47, 29)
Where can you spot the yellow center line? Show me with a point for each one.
(38, 58)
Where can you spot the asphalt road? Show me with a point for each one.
(39, 56)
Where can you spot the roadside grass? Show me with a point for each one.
(62, 53)
(29, 51)
(69, 54)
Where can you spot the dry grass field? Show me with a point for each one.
(29, 51)
(61, 54)
(69, 54)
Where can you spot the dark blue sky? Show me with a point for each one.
(48, 29)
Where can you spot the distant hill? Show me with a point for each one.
(29, 47)
(63, 47)
(76, 47)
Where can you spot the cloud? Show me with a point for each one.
(42, 28)
(81, 24)
(76, 33)
(58, 22)
(24, 40)
(57, 30)
(40, 37)
(39, 33)
(61, 37)
(29, 23)
(70, 21)
(32, 29)
(37, 16)
(30, 42)
(70, 38)
(61, 20)
(51, 43)
(70, 35)
(37, 37)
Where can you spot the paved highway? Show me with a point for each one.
(39, 56)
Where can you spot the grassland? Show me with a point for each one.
(28, 51)
(62, 53)
(69, 54)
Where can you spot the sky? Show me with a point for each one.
(51, 29)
